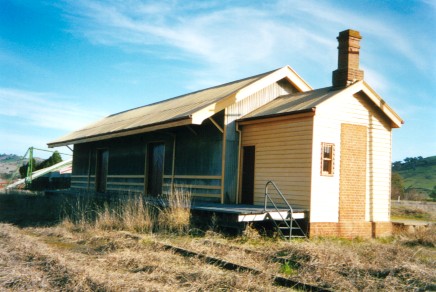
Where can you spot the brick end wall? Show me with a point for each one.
(350, 229)
(352, 181)
(352, 191)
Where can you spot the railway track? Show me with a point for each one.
(224, 264)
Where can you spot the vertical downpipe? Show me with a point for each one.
(223, 157)
(238, 175)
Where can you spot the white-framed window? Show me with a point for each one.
(327, 158)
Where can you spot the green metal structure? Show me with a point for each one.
(31, 167)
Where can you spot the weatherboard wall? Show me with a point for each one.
(330, 116)
(283, 154)
(234, 112)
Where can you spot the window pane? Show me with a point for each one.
(327, 166)
(327, 151)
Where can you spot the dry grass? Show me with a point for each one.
(56, 259)
(424, 236)
(413, 213)
(116, 248)
(82, 212)
(132, 214)
(402, 262)
(176, 215)
(60, 258)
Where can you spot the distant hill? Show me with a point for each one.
(417, 172)
(9, 157)
(9, 164)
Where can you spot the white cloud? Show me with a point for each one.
(228, 37)
(214, 36)
(387, 34)
(430, 3)
(41, 109)
(378, 81)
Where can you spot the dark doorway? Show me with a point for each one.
(101, 170)
(247, 190)
(155, 162)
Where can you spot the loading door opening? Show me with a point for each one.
(155, 163)
(247, 189)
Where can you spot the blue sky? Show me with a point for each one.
(64, 64)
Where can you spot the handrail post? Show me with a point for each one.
(266, 196)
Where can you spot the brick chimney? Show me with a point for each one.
(348, 59)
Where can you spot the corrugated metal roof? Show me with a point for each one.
(306, 101)
(295, 102)
(167, 111)
(196, 106)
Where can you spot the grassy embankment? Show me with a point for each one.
(418, 177)
(422, 176)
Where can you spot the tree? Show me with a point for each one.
(433, 194)
(397, 165)
(52, 160)
(397, 186)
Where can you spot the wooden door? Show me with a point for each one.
(248, 162)
(101, 170)
(155, 164)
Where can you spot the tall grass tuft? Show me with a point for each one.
(78, 214)
(127, 213)
(109, 218)
(138, 215)
(176, 215)
(131, 214)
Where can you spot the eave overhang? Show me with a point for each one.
(363, 87)
(122, 133)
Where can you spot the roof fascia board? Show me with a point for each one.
(362, 86)
(285, 72)
(281, 117)
(379, 102)
(183, 122)
(299, 82)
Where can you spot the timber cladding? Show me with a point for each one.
(283, 150)
(352, 182)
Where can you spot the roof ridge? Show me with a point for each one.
(194, 92)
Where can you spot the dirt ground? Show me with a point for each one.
(61, 258)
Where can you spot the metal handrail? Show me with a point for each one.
(267, 197)
(290, 210)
